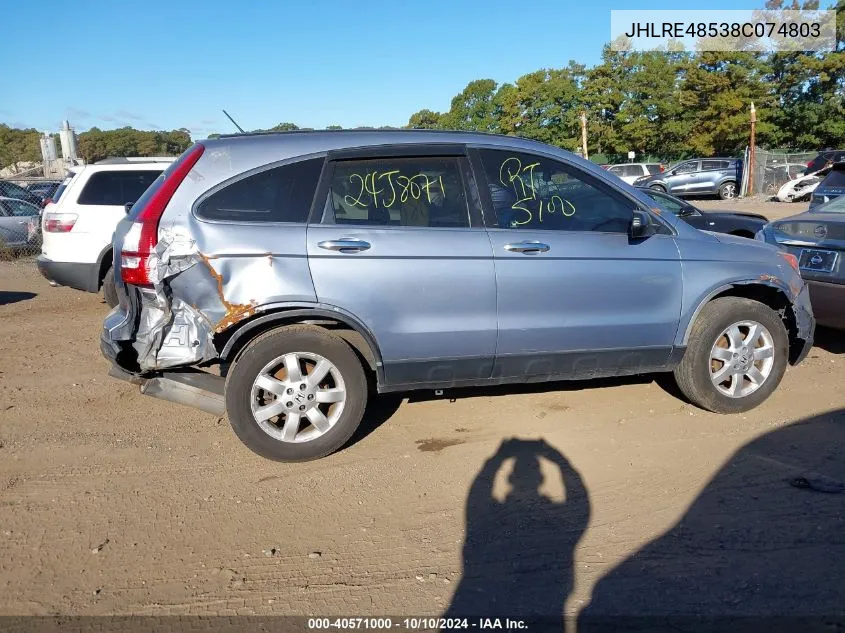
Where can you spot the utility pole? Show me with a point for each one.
(752, 150)
(584, 133)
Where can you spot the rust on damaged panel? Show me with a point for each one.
(235, 312)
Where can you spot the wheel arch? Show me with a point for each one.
(104, 261)
(769, 293)
(233, 340)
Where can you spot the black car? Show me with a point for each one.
(831, 187)
(741, 224)
(823, 158)
(11, 190)
(817, 239)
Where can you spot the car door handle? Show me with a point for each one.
(527, 247)
(344, 245)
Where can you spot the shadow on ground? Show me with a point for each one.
(830, 340)
(11, 296)
(763, 545)
(760, 549)
(518, 551)
(535, 387)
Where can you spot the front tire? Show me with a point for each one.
(736, 356)
(659, 188)
(296, 393)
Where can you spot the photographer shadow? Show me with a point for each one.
(518, 552)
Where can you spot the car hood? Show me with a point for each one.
(735, 215)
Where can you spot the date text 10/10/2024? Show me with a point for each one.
(417, 623)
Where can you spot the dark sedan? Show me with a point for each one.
(741, 224)
(817, 239)
(12, 190)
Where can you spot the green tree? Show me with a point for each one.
(425, 120)
(473, 108)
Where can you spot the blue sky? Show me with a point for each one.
(176, 63)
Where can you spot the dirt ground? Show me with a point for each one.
(116, 503)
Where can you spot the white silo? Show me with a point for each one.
(67, 137)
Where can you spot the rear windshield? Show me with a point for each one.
(58, 193)
(834, 180)
(116, 188)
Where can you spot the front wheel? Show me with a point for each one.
(727, 191)
(660, 188)
(296, 393)
(736, 356)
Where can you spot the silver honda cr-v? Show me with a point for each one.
(282, 278)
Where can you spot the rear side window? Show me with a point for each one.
(279, 194)
(707, 165)
(653, 168)
(426, 191)
(116, 188)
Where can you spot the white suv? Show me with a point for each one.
(78, 228)
(629, 172)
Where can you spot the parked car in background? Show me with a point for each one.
(698, 177)
(817, 239)
(12, 190)
(78, 228)
(731, 222)
(629, 172)
(44, 189)
(475, 260)
(19, 224)
(832, 186)
(824, 158)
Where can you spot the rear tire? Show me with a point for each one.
(727, 191)
(109, 289)
(288, 416)
(736, 356)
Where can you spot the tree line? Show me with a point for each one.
(662, 104)
(17, 145)
(666, 104)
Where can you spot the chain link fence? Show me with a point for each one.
(22, 200)
(772, 169)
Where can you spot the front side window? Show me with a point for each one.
(537, 193)
(279, 194)
(116, 188)
(425, 191)
(686, 168)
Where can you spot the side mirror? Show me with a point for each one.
(641, 226)
(673, 172)
(128, 207)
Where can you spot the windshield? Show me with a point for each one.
(665, 203)
(837, 205)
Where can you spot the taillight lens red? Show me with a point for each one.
(142, 237)
(59, 222)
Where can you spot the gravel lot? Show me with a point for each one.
(115, 503)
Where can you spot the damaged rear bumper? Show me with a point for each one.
(190, 387)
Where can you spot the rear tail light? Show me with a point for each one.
(142, 237)
(59, 222)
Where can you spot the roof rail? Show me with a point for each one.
(123, 160)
